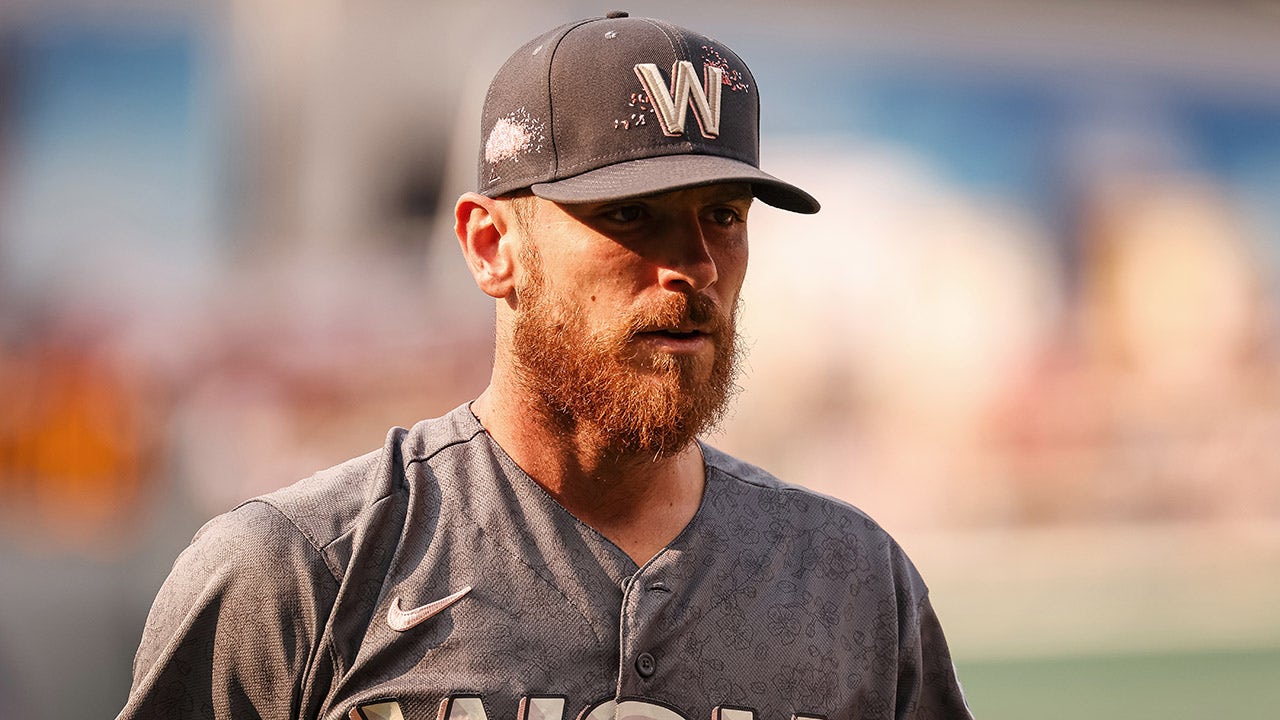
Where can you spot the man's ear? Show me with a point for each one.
(481, 224)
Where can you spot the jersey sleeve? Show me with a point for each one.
(929, 688)
(234, 629)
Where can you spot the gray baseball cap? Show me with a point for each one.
(617, 107)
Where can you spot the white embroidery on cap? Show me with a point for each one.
(611, 35)
(639, 102)
(672, 107)
(731, 78)
(514, 135)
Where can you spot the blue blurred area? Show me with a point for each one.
(110, 161)
(1006, 131)
(1238, 143)
(989, 133)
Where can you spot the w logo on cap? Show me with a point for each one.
(672, 106)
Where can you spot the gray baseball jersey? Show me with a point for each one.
(435, 580)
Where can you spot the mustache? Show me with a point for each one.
(694, 311)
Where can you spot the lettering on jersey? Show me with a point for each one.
(552, 707)
(726, 712)
(672, 106)
(542, 708)
(471, 707)
(384, 710)
(631, 710)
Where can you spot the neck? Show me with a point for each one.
(638, 501)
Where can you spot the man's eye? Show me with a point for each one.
(725, 216)
(625, 213)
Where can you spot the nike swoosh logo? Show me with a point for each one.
(401, 620)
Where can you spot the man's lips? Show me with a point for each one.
(682, 330)
(675, 338)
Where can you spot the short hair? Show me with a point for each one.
(522, 206)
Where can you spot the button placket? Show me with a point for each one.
(643, 601)
(646, 665)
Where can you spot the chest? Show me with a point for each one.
(682, 639)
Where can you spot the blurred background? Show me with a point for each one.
(1034, 330)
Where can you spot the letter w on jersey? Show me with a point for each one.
(471, 707)
(672, 107)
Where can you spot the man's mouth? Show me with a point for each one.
(676, 338)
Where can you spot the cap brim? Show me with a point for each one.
(649, 176)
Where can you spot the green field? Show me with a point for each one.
(1206, 685)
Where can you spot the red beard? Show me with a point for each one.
(599, 383)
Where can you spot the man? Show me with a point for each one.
(563, 547)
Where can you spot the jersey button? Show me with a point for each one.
(645, 665)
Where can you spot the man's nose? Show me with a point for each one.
(688, 263)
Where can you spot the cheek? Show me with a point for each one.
(600, 290)
(732, 267)
(597, 268)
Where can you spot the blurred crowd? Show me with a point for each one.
(105, 408)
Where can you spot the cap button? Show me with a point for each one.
(617, 14)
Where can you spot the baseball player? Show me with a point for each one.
(563, 547)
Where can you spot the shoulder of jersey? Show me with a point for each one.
(741, 471)
(331, 502)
